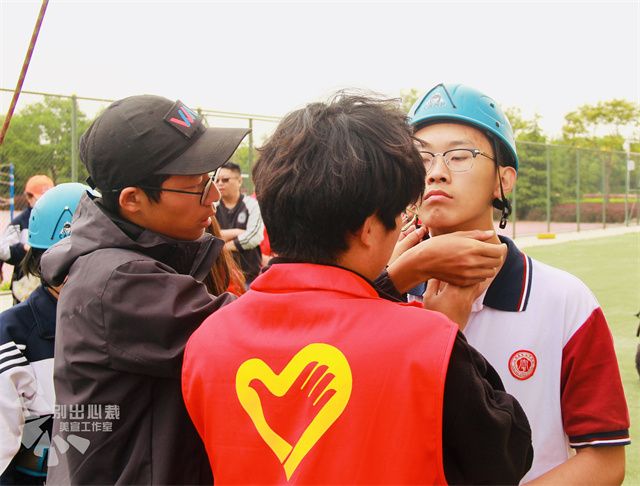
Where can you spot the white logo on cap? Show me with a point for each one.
(436, 101)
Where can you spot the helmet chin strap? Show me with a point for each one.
(502, 204)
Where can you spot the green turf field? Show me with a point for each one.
(611, 268)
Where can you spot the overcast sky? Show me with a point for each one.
(269, 58)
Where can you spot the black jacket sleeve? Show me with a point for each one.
(486, 435)
(149, 314)
(386, 289)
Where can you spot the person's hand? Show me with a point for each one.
(465, 257)
(462, 258)
(453, 301)
(407, 239)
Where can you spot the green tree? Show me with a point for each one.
(245, 158)
(531, 189)
(39, 142)
(602, 128)
(409, 97)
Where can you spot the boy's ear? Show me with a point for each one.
(508, 177)
(131, 200)
(363, 236)
(367, 232)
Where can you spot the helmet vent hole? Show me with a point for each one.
(498, 124)
(492, 105)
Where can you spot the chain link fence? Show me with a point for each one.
(559, 189)
(562, 188)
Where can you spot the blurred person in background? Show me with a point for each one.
(13, 243)
(240, 220)
(27, 333)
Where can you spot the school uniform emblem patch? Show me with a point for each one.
(522, 364)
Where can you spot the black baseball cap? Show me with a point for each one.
(140, 136)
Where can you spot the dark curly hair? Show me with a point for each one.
(331, 165)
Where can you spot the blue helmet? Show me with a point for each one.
(460, 103)
(50, 219)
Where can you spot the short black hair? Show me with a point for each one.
(328, 167)
(110, 199)
(232, 166)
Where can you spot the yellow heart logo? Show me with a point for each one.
(314, 387)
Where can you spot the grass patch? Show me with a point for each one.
(611, 268)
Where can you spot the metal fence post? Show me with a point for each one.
(577, 190)
(637, 197)
(627, 182)
(12, 191)
(604, 193)
(546, 153)
(250, 155)
(74, 138)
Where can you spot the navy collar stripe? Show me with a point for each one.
(526, 283)
(511, 288)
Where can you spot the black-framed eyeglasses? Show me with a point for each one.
(204, 194)
(457, 160)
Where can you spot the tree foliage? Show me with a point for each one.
(531, 187)
(39, 142)
(601, 131)
(245, 158)
(409, 97)
(604, 125)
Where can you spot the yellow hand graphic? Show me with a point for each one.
(316, 380)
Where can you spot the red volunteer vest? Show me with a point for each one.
(311, 377)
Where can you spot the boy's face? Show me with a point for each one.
(177, 215)
(455, 201)
(228, 182)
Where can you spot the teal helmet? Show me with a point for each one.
(460, 103)
(51, 216)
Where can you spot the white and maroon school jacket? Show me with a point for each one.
(544, 332)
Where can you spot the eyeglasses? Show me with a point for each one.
(204, 194)
(457, 160)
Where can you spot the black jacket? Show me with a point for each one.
(132, 299)
(26, 387)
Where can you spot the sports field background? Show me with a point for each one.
(611, 268)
